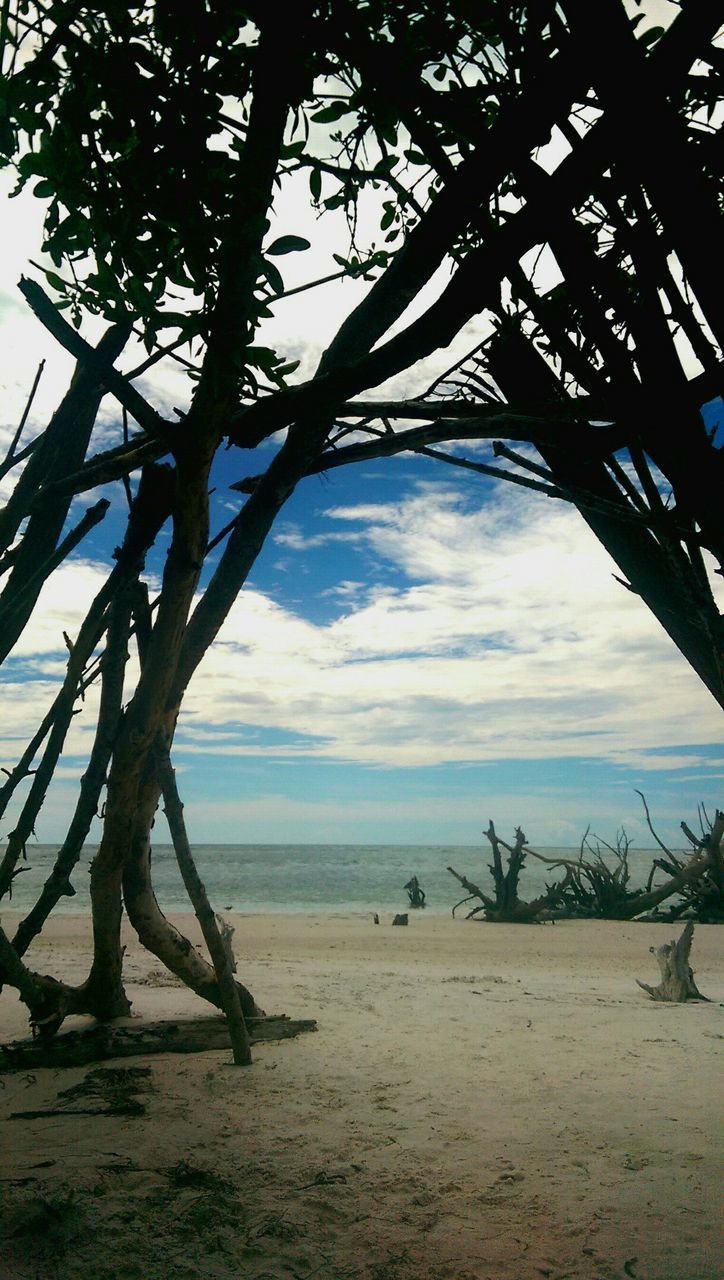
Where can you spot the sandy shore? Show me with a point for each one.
(479, 1103)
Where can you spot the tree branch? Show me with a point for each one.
(115, 382)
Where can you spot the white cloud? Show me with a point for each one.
(506, 638)
(347, 589)
(63, 604)
(503, 636)
(296, 540)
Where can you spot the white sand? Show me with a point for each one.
(480, 1101)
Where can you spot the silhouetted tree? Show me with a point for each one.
(159, 145)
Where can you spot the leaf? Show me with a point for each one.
(44, 189)
(259, 358)
(56, 282)
(291, 150)
(388, 131)
(274, 277)
(288, 244)
(7, 138)
(329, 114)
(315, 184)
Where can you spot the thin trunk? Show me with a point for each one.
(155, 932)
(149, 512)
(139, 726)
(112, 672)
(60, 452)
(217, 942)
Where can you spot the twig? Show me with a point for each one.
(659, 842)
(92, 517)
(16, 438)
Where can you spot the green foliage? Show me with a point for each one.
(117, 128)
(132, 125)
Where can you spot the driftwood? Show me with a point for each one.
(677, 976)
(107, 1040)
(592, 887)
(400, 918)
(702, 896)
(505, 906)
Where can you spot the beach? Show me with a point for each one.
(478, 1102)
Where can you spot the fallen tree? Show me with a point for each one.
(117, 1040)
(701, 897)
(591, 888)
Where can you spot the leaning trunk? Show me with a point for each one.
(159, 936)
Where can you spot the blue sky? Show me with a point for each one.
(417, 650)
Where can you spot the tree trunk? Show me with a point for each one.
(47, 1000)
(217, 941)
(61, 451)
(113, 668)
(159, 936)
(103, 988)
(677, 977)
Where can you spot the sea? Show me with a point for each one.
(317, 878)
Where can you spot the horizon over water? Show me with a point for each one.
(317, 878)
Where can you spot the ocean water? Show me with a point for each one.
(313, 878)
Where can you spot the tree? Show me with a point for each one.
(160, 148)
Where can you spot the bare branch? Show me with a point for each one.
(10, 458)
(115, 382)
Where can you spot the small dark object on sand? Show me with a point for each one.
(400, 919)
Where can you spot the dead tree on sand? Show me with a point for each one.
(677, 976)
(591, 885)
(592, 888)
(505, 906)
(702, 898)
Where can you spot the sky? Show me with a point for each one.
(418, 650)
